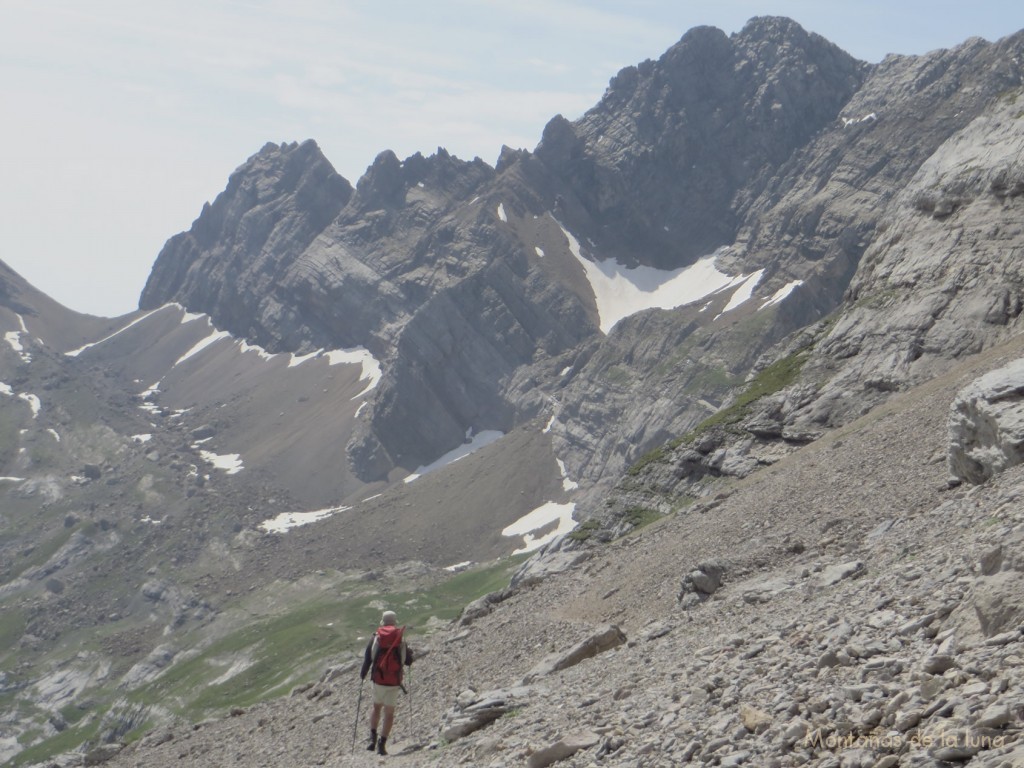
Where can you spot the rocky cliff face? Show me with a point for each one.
(920, 160)
(433, 264)
(773, 146)
(658, 164)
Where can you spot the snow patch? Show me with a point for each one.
(300, 359)
(231, 463)
(53, 432)
(567, 484)
(781, 294)
(868, 118)
(501, 212)
(213, 338)
(136, 321)
(144, 438)
(743, 292)
(244, 347)
(372, 372)
(12, 479)
(14, 339)
(33, 403)
(475, 443)
(458, 566)
(6, 389)
(288, 520)
(622, 291)
(539, 251)
(541, 517)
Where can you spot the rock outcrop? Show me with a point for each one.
(986, 425)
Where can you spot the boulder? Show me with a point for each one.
(701, 583)
(999, 602)
(604, 639)
(986, 425)
(473, 711)
(840, 572)
(562, 749)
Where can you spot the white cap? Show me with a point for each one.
(389, 619)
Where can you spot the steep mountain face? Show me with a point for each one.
(836, 197)
(939, 278)
(772, 146)
(658, 163)
(433, 263)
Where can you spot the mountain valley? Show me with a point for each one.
(718, 384)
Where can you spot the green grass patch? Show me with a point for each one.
(584, 530)
(42, 553)
(711, 380)
(65, 741)
(72, 713)
(12, 627)
(776, 376)
(276, 653)
(616, 374)
(639, 517)
(653, 456)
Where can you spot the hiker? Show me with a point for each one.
(386, 653)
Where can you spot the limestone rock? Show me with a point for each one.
(702, 582)
(836, 573)
(602, 640)
(564, 748)
(475, 711)
(999, 602)
(986, 425)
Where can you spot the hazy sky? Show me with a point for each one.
(122, 117)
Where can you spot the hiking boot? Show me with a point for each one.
(380, 746)
(373, 742)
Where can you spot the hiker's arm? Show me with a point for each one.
(367, 660)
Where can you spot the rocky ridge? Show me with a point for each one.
(434, 264)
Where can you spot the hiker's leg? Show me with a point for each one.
(389, 720)
(375, 716)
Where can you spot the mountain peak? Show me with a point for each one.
(281, 182)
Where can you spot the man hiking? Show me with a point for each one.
(387, 655)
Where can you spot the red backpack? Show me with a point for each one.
(387, 663)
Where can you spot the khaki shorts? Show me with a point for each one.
(385, 694)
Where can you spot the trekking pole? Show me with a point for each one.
(359, 703)
(412, 711)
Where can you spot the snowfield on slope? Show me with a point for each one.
(623, 291)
